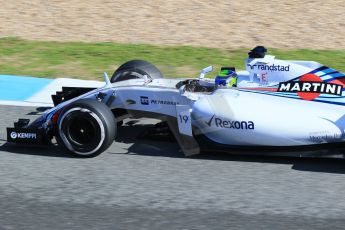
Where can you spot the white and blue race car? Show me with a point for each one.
(274, 107)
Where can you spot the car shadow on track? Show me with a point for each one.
(165, 146)
(144, 141)
(325, 165)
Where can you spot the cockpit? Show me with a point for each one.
(261, 71)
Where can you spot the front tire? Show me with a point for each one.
(86, 128)
(136, 69)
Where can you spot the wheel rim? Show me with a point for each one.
(81, 131)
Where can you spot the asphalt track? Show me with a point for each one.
(140, 184)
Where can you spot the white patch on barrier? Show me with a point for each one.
(44, 95)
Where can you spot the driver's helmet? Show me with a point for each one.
(227, 77)
(257, 52)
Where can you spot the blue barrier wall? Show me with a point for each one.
(19, 88)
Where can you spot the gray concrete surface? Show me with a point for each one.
(141, 184)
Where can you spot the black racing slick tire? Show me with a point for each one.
(136, 69)
(86, 128)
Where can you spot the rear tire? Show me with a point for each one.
(136, 69)
(86, 128)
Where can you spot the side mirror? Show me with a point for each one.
(146, 79)
(106, 79)
(182, 89)
(204, 71)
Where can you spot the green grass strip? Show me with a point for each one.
(89, 60)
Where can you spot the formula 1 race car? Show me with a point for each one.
(274, 107)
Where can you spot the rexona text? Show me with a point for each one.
(233, 124)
